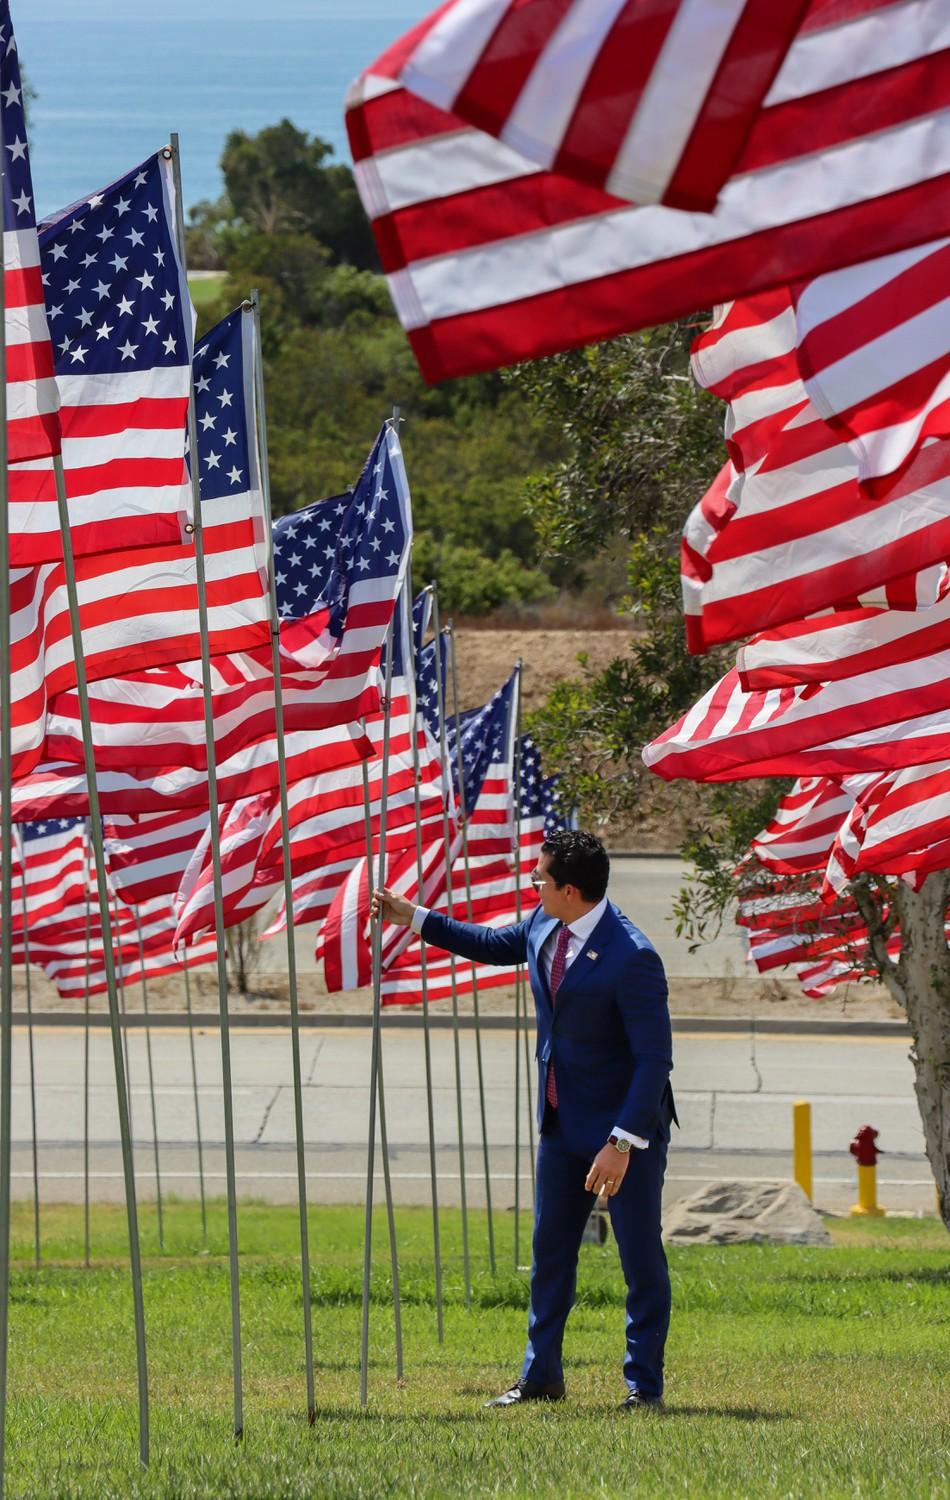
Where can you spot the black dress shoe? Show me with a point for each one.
(636, 1401)
(529, 1390)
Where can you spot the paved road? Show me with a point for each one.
(734, 1094)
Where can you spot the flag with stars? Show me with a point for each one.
(487, 756)
(506, 786)
(50, 870)
(139, 610)
(32, 398)
(482, 888)
(122, 327)
(156, 715)
(340, 566)
(421, 616)
(542, 808)
(328, 836)
(414, 815)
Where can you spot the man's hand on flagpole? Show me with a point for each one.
(393, 908)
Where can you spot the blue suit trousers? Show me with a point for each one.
(562, 1208)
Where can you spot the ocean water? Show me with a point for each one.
(113, 78)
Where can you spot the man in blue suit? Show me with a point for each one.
(605, 1105)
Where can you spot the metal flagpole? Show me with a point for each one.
(215, 840)
(120, 975)
(443, 753)
(36, 1159)
(518, 986)
(463, 810)
(151, 1082)
(521, 988)
(29, 1025)
(427, 1041)
(85, 1062)
(118, 1057)
(194, 1089)
(288, 877)
(6, 869)
(376, 1086)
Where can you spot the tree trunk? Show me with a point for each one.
(923, 976)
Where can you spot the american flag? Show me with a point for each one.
(499, 880)
(337, 565)
(340, 565)
(141, 610)
(50, 874)
(327, 813)
(315, 890)
(122, 327)
(788, 528)
(241, 825)
(64, 961)
(873, 346)
(146, 855)
(872, 721)
(771, 900)
(53, 877)
(483, 741)
(32, 398)
(58, 788)
(651, 103)
(899, 825)
(344, 942)
(493, 259)
(843, 644)
(806, 823)
(487, 743)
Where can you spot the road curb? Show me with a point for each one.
(393, 1021)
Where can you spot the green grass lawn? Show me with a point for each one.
(206, 288)
(791, 1371)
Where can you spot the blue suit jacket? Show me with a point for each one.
(609, 1035)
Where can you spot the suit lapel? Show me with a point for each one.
(540, 933)
(587, 960)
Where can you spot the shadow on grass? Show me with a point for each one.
(564, 1410)
(736, 1413)
(935, 1275)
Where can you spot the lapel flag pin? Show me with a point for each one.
(591, 954)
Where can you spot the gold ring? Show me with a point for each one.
(609, 1182)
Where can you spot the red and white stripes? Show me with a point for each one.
(492, 258)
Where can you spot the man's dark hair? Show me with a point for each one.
(576, 858)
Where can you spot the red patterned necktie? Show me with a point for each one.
(558, 969)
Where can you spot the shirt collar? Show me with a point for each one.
(583, 926)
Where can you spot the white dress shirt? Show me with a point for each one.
(580, 929)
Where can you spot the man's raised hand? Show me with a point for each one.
(393, 908)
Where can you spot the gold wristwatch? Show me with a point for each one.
(619, 1143)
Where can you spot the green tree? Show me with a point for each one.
(643, 444)
(336, 361)
(283, 181)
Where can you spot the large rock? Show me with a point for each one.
(735, 1213)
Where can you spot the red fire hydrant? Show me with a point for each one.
(866, 1153)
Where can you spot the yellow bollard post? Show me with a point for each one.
(866, 1154)
(801, 1152)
